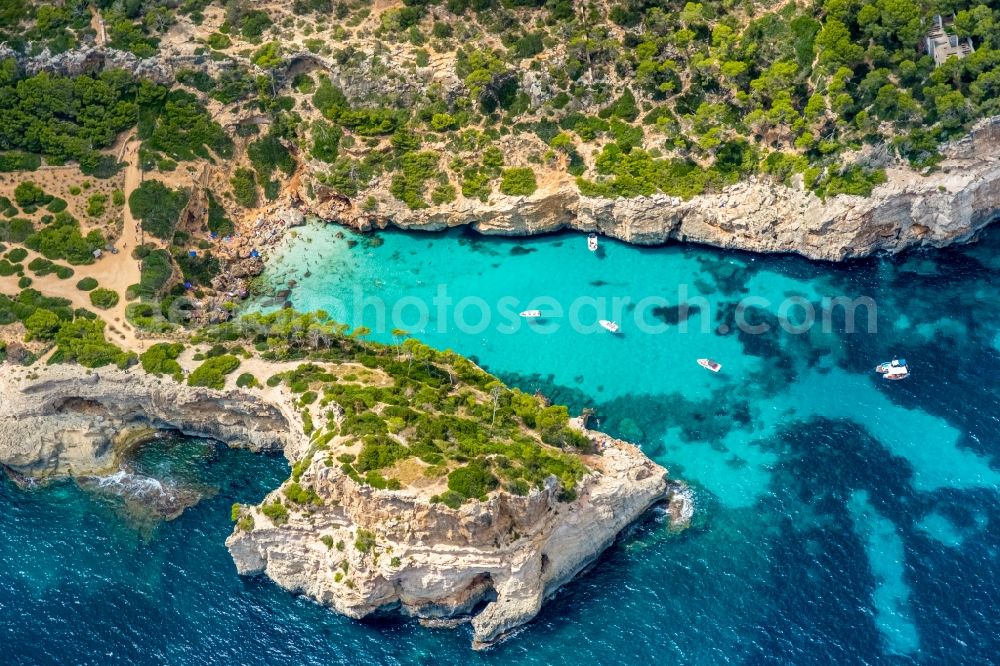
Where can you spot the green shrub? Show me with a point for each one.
(244, 185)
(219, 41)
(325, 141)
(17, 255)
(474, 481)
(15, 160)
(212, 373)
(269, 154)
(161, 359)
(245, 523)
(417, 169)
(301, 495)
(62, 239)
(364, 541)
(28, 194)
(304, 83)
(87, 284)
(276, 511)
(624, 107)
(253, 24)
(42, 267)
(518, 181)
(155, 271)
(218, 222)
(247, 380)
(379, 452)
(443, 194)
(179, 126)
(96, 204)
(57, 205)
(83, 340)
(24, 282)
(104, 299)
(16, 230)
(853, 180)
(147, 318)
(158, 207)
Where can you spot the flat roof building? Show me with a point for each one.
(943, 45)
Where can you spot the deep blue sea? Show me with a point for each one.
(840, 517)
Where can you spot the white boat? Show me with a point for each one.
(609, 325)
(531, 314)
(709, 364)
(893, 370)
(592, 242)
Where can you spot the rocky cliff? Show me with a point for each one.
(89, 60)
(364, 550)
(949, 205)
(351, 547)
(911, 210)
(62, 420)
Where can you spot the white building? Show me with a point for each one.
(942, 45)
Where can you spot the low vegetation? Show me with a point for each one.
(77, 337)
(212, 373)
(102, 298)
(161, 359)
(158, 207)
(439, 410)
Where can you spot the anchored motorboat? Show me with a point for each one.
(609, 325)
(592, 242)
(531, 314)
(709, 364)
(893, 370)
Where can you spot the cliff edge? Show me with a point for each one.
(910, 210)
(363, 550)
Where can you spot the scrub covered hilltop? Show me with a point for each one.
(441, 98)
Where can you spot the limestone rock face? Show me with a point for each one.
(948, 206)
(89, 60)
(65, 421)
(437, 563)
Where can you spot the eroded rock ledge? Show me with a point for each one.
(62, 420)
(358, 550)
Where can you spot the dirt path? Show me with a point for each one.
(119, 271)
(97, 23)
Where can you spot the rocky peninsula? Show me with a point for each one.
(398, 536)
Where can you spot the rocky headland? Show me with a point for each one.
(348, 545)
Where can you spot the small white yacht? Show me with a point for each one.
(592, 242)
(609, 325)
(709, 364)
(893, 370)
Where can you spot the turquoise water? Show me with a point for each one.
(840, 517)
